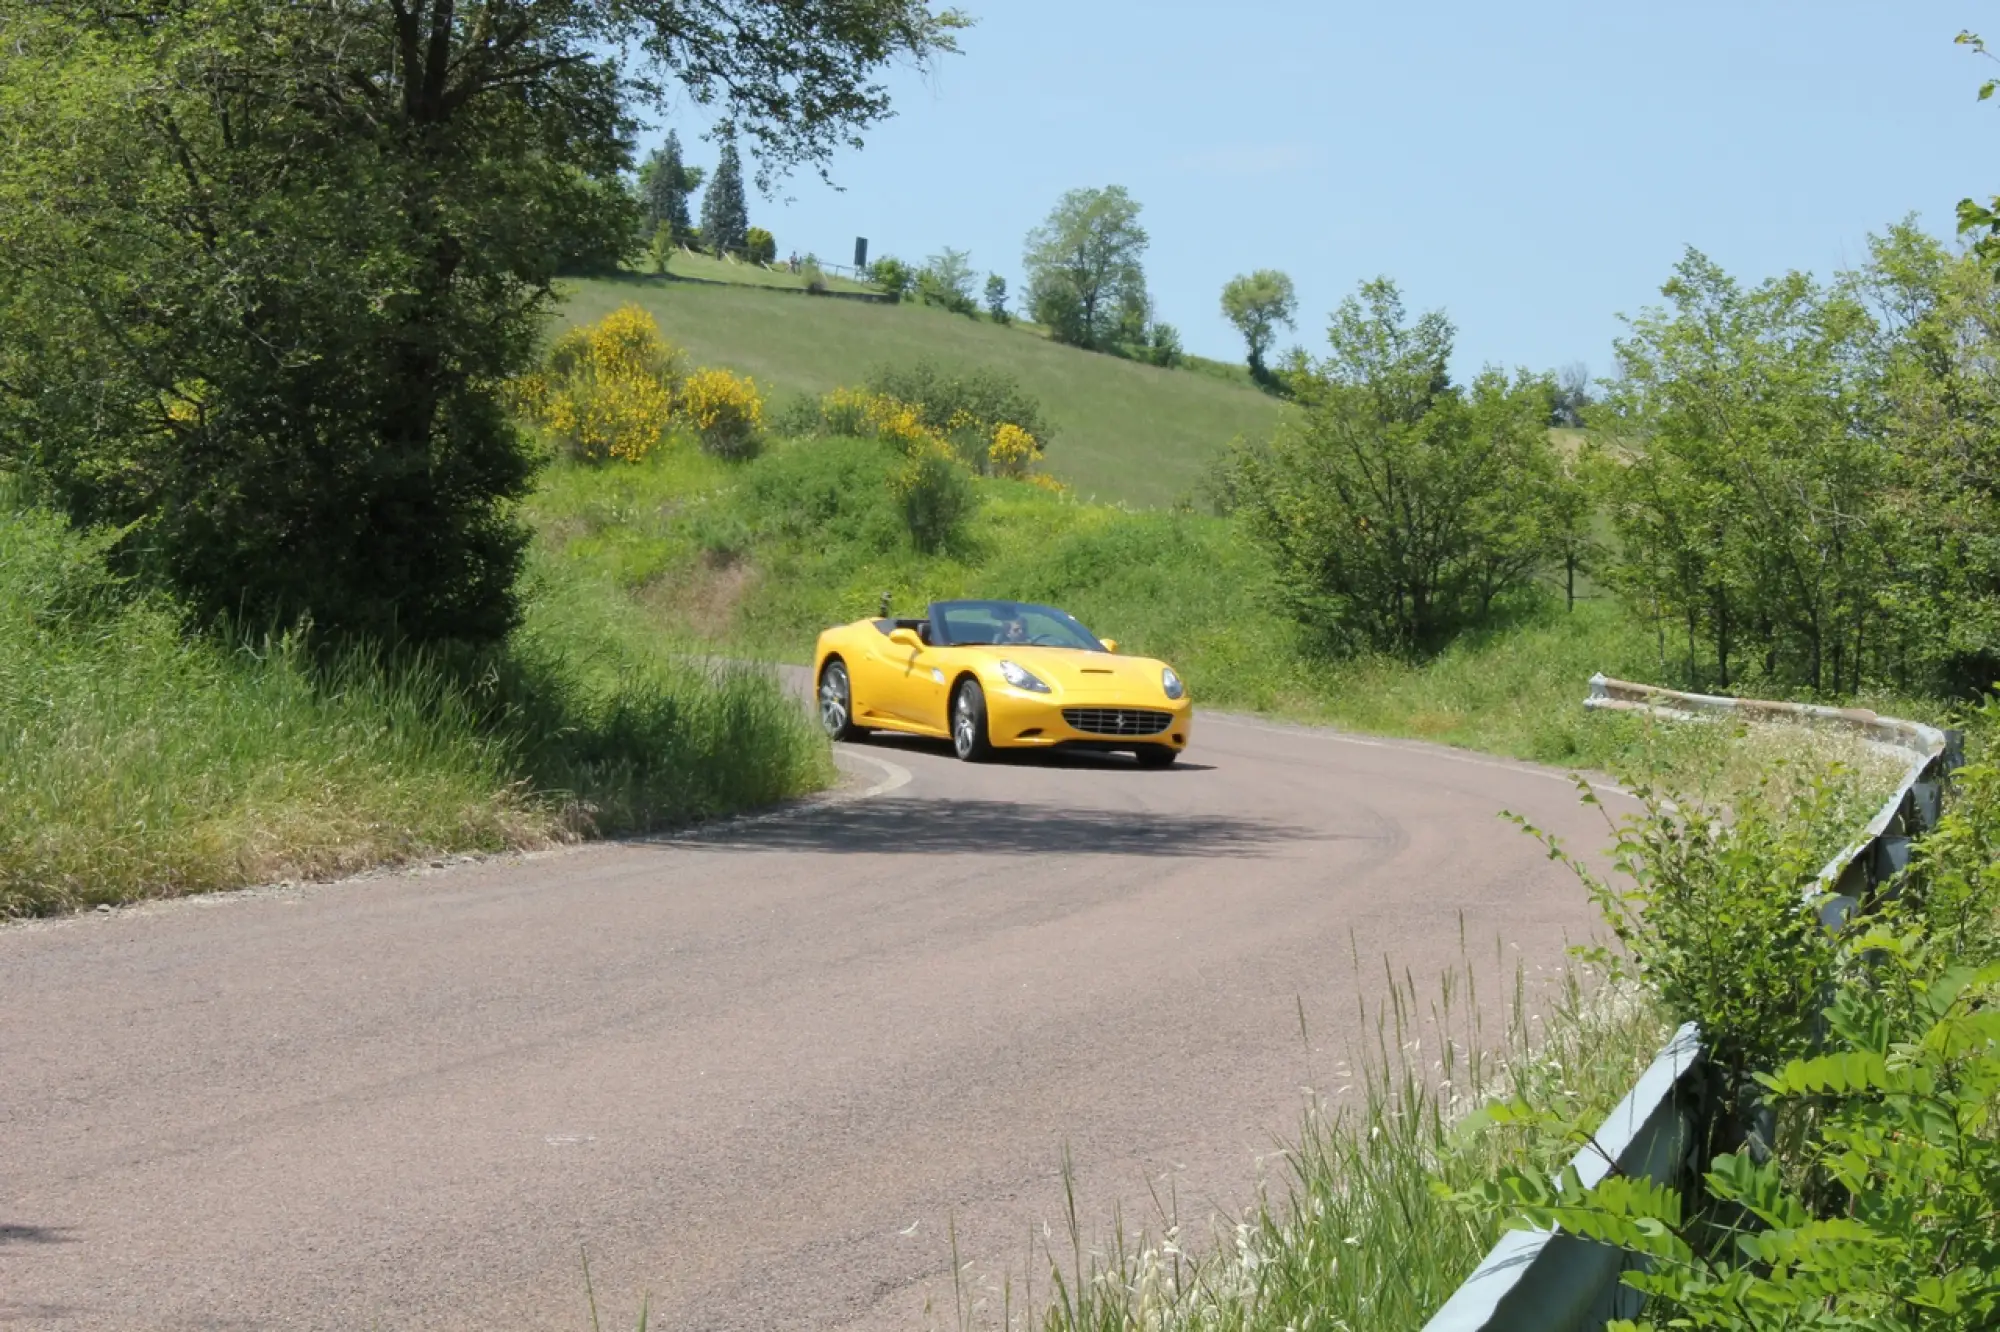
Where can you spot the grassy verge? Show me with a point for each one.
(136, 761)
(1353, 1236)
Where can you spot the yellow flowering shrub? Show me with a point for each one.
(1012, 451)
(862, 415)
(607, 389)
(725, 410)
(1046, 482)
(843, 413)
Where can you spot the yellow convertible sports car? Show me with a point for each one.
(999, 675)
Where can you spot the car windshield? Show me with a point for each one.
(963, 623)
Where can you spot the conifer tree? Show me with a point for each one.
(725, 219)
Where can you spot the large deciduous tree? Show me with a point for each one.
(1083, 265)
(1403, 508)
(1259, 304)
(267, 268)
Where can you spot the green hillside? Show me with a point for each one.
(1123, 430)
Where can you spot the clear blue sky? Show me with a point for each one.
(1534, 168)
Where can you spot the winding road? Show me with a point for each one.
(756, 1073)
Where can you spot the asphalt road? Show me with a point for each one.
(754, 1073)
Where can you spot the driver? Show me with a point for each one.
(1012, 630)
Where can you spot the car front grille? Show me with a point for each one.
(1117, 721)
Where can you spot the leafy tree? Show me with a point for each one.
(1751, 513)
(664, 185)
(760, 246)
(946, 280)
(1937, 332)
(1083, 265)
(996, 298)
(1259, 304)
(725, 218)
(1403, 509)
(270, 266)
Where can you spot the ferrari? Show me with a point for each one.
(990, 675)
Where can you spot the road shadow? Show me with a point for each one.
(927, 827)
(11, 1235)
(1029, 758)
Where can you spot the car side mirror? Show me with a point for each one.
(1110, 644)
(906, 638)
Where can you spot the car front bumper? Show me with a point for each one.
(1017, 719)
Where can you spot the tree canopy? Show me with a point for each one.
(1259, 304)
(1083, 263)
(269, 266)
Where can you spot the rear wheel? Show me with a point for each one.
(1156, 756)
(969, 739)
(836, 703)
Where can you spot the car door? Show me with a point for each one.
(901, 681)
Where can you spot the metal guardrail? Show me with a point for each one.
(1548, 1281)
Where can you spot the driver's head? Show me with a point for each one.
(1012, 630)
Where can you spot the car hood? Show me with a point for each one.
(1076, 671)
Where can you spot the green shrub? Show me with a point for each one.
(893, 276)
(831, 493)
(937, 498)
(760, 246)
(949, 401)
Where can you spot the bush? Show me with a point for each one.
(1163, 346)
(725, 411)
(948, 401)
(1013, 450)
(893, 276)
(607, 389)
(815, 277)
(937, 498)
(760, 246)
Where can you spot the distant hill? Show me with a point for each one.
(1124, 431)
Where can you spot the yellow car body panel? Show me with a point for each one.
(1093, 699)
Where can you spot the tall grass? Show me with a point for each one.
(1354, 1235)
(137, 760)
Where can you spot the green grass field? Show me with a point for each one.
(1124, 431)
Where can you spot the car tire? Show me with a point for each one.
(969, 737)
(1156, 756)
(836, 703)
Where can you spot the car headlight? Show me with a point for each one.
(1022, 678)
(1172, 683)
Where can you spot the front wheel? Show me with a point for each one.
(836, 703)
(1156, 756)
(969, 739)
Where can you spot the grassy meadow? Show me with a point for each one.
(1124, 431)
